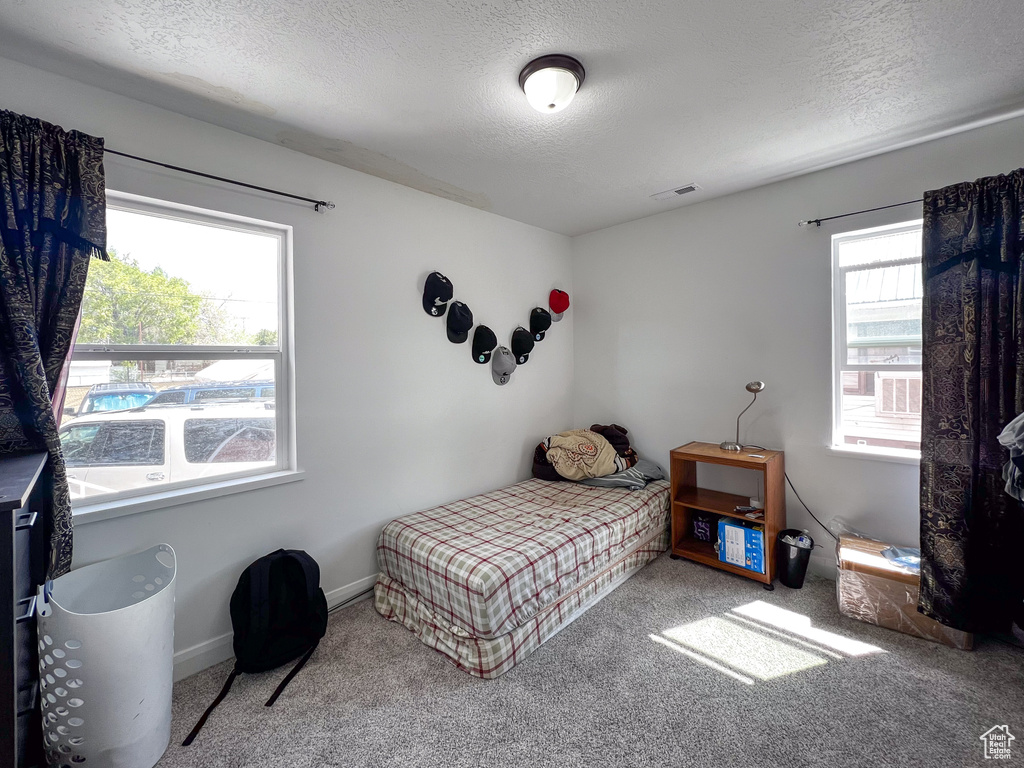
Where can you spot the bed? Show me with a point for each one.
(488, 579)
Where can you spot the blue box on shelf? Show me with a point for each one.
(741, 544)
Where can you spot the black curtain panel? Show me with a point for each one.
(52, 221)
(971, 530)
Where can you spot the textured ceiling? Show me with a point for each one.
(726, 93)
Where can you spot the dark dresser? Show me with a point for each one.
(23, 570)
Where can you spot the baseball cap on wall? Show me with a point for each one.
(559, 302)
(460, 320)
(484, 341)
(437, 292)
(502, 365)
(540, 321)
(522, 345)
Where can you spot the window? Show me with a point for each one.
(179, 372)
(115, 397)
(77, 442)
(226, 394)
(221, 440)
(168, 398)
(877, 292)
(115, 443)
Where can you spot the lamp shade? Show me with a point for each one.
(550, 82)
(551, 90)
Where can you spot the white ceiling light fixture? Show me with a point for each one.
(550, 82)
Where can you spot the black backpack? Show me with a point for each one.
(278, 613)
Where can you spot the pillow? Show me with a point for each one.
(581, 453)
(626, 457)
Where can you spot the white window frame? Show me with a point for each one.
(285, 469)
(840, 349)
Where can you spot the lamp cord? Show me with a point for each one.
(795, 492)
(353, 599)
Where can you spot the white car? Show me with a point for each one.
(154, 446)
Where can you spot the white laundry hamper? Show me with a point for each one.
(106, 662)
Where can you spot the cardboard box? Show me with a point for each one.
(872, 589)
(741, 545)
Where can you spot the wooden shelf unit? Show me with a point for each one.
(688, 497)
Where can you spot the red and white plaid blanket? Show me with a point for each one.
(488, 564)
(494, 657)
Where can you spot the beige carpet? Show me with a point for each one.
(681, 666)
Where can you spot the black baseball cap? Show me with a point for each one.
(437, 292)
(460, 320)
(522, 345)
(484, 342)
(540, 321)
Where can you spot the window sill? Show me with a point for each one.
(892, 455)
(107, 510)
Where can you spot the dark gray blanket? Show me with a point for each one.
(634, 478)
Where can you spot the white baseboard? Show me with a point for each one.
(341, 594)
(188, 661)
(202, 655)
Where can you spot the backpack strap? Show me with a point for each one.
(288, 678)
(202, 720)
(309, 568)
(259, 599)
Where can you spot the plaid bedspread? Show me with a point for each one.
(486, 565)
(494, 657)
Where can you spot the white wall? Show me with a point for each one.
(671, 315)
(391, 417)
(676, 312)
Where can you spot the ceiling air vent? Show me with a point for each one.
(672, 194)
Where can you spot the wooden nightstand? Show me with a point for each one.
(688, 498)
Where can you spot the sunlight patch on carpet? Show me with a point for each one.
(799, 625)
(701, 659)
(760, 641)
(746, 651)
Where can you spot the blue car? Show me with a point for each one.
(215, 392)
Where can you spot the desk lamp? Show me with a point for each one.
(753, 387)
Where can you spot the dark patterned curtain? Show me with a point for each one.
(973, 369)
(52, 220)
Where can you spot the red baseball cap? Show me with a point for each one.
(559, 302)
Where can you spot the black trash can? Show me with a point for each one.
(792, 560)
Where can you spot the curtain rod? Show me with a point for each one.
(317, 204)
(817, 222)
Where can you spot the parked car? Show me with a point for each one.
(115, 396)
(215, 392)
(149, 447)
